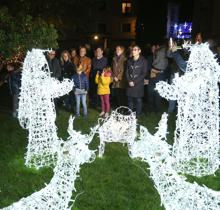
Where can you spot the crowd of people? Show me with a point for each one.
(127, 79)
(99, 82)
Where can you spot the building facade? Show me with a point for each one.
(103, 22)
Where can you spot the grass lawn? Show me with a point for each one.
(114, 182)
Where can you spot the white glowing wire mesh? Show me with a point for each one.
(196, 143)
(36, 108)
(152, 146)
(175, 192)
(37, 114)
(195, 149)
(57, 194)
(118, 127)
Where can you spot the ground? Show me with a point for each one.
(114, 182)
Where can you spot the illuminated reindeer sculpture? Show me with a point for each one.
(175, 192)
(57, 194)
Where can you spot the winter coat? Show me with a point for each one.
(181, 63)
(103, 82)
(160, 62)
(54, 66)
(86, 64)
(118, 70)
(136, 72)
(98, 65)
(80, 81)
(75, 60)
(68, 69)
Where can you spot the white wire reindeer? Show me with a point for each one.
(196, 143)
(175, 192)
(57, 194)
(197, 112)
(36, 108)
(152, 146)
(37, 114)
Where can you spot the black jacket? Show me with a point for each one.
(68, 70)
(55, 69)
(136, 72)
(98, 65)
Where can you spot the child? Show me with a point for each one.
(103, 79)
(81, 86)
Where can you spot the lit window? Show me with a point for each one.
(126, 27)
(126, 8)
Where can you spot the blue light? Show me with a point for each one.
(181, 31)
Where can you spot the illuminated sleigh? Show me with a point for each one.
(120, 126)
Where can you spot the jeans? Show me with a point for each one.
(138, 105)
(81, 98)
(105, 103)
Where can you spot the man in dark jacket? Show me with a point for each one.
(135, 73)
(99, 62)
(158, 73)
(55, 70)
(54, 64)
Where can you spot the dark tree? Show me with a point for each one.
(22, 32)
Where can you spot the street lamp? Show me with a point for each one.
(96, 37)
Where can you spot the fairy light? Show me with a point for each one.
(182, 31)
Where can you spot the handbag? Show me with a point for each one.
(79, 91)
(154, 73)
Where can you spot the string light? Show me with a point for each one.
(17, 58)
(181, 31)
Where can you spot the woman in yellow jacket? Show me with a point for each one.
(104, 80)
